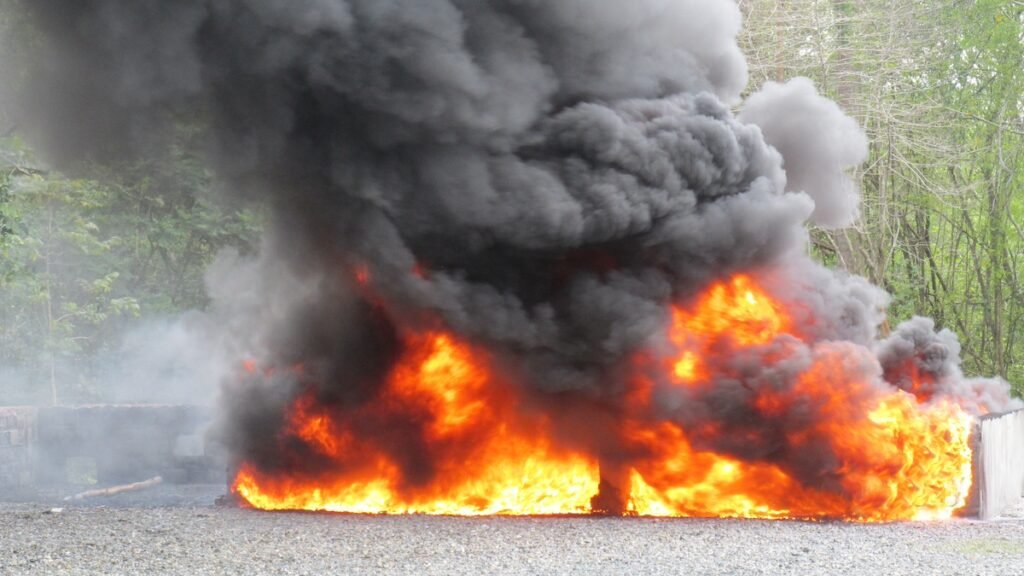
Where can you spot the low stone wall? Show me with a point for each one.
(17, 440)
(116, 443)
(127, 443)
(999, 463)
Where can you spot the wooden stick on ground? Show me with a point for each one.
(117, 489)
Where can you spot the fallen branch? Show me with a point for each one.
(117, 489)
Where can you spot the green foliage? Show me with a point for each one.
(79, 257)
(82, 256)
(963, 266)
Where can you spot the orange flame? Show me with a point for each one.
(487, 449)
(496, 462)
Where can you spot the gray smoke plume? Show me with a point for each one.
(545, 178)
(919, 358)
(817, 140)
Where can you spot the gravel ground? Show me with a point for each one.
(190, 539)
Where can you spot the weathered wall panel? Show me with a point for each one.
(999, 473)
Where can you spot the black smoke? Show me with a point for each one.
(542, 177)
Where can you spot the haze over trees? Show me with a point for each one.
(936, 85)
(86, 256)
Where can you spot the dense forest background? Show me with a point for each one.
(86, 257)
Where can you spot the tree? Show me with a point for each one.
(82, 257)
(937, 87)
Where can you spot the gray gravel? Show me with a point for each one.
(210, 540)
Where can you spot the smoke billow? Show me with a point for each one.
(817, 141)
(544, 178)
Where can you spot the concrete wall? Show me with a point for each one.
(17, 438)
(999, 465)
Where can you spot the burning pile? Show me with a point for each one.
(494, 447)
(523, 259)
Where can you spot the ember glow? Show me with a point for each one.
(488, 448)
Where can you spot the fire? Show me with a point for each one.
(490, 460)
(362, 275)
(736, 312)
(900, 461)
(449, 433)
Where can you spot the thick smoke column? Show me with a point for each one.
(543, 178)
(562, 170)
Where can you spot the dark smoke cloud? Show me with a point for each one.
(543, 177)
(917, 357)
(500, 145)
